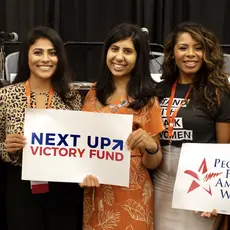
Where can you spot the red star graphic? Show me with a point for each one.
(195, 183)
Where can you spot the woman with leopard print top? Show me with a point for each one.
(41, 82)
(2, 190)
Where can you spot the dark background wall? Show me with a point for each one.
(90, 20)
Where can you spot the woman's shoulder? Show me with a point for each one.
(153, 103)
(73, 91)
(92, 91)
(12, 89)
(163, 89)
(163, 85)
(9, 93)
(73, 97)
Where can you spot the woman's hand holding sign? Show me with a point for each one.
(148, 145)
(14, 142)
(141, 139)
(208, 214)
(90, 181)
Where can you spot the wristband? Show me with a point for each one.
(152, 153)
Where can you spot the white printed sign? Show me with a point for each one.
(66, 146)
(203, 178)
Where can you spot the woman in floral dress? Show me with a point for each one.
(126, 87)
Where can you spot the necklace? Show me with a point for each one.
(115, 107)
(44, 93)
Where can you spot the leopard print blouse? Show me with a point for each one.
(12, 114)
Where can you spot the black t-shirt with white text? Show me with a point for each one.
(192, 123)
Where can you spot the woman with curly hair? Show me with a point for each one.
(195, 102)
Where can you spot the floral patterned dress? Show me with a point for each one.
(111, 207)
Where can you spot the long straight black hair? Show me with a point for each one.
(141, 86)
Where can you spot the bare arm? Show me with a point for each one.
(223, 132)
(152, 161)
(144, 141)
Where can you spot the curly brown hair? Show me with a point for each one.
(210, 82)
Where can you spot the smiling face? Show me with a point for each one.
(42, 59)
(188, 55)
(121, 58)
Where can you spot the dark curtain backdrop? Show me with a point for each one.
(91, 20)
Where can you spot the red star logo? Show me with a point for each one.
(206, 177)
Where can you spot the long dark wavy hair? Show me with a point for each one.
(140, 87)
(61, 78)
(210, 81)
